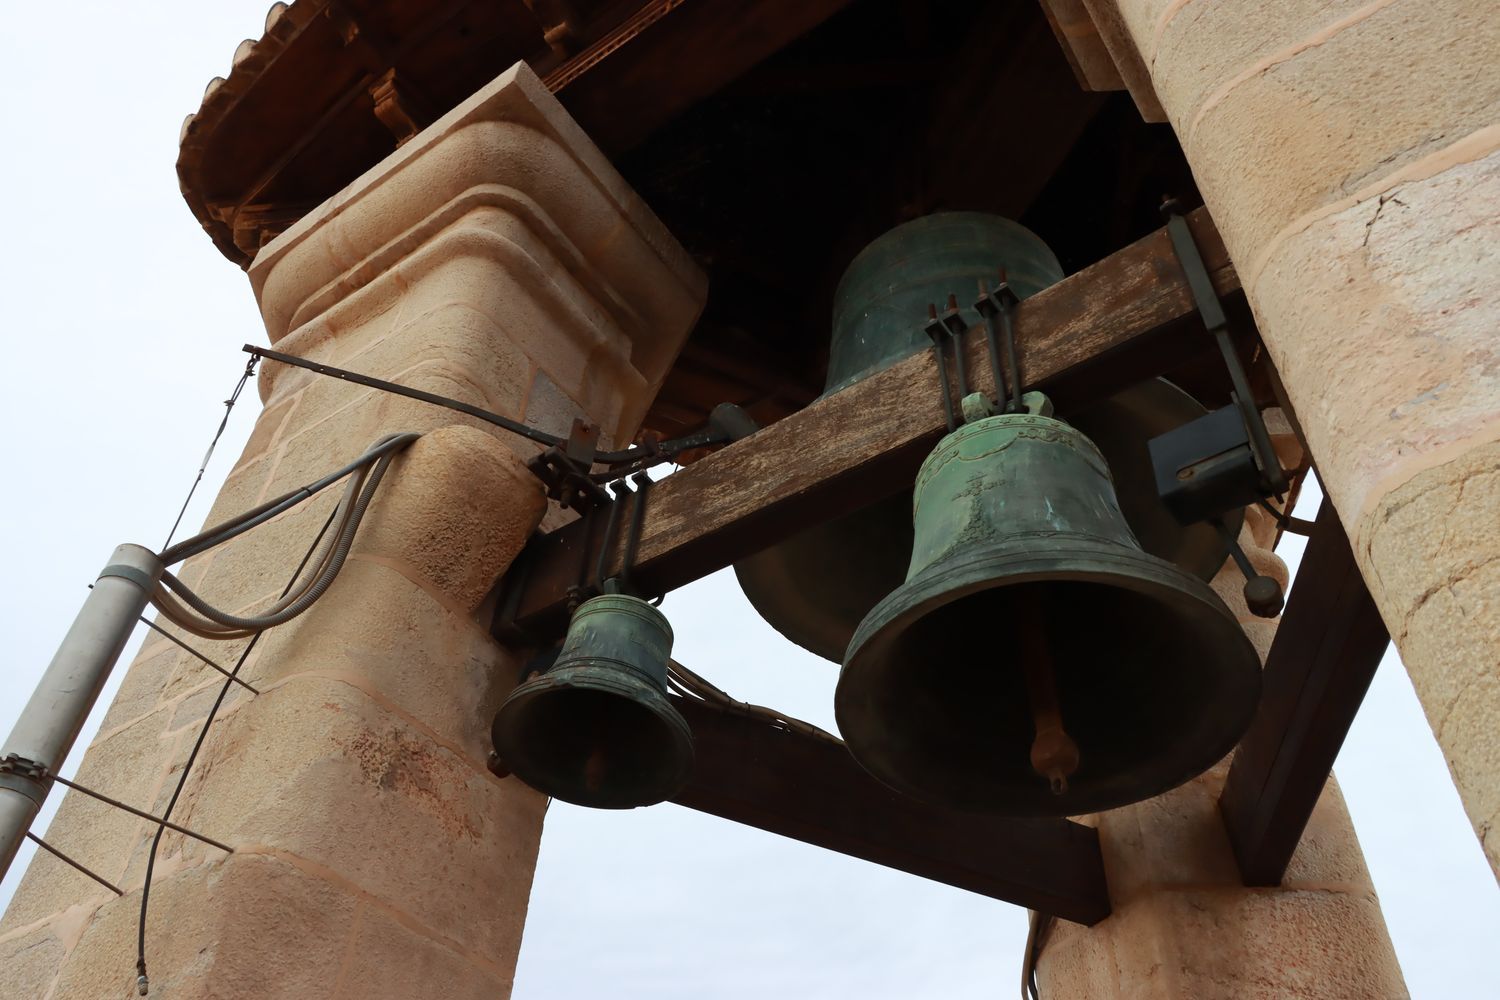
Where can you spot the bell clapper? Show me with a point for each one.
(1054, 755)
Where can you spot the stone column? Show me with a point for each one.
(1184, 927)
(497, 258)
(1350, 153)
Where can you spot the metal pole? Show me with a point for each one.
(49, 724)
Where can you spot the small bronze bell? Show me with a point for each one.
(1036, 661)
(816, 586)
(597, 729)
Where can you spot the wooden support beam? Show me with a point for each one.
(1327, 647)
(797, 786)
(1092, 334)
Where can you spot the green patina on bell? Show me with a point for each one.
(881, 301)
(815, 587)
(598, 729)
(1036, 661)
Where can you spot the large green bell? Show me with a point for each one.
(816, 586)
(1036, 661)
(597, 729)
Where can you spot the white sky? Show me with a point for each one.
(121, 334)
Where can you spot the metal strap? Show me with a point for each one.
(130, 573)
(1212, 310)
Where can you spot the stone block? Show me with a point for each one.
(246, 926)
(1382, 325)
(408, 964)
(30, 961)
(126, 765)
(268, 427)
(1080, 964)
(1334, 117)
(189, 714)
(1328, 853)
(456, 511)
(247, 572)
(342, 436)
(379, 630)
(453, 332)
(1176, 839)
(1470, 738)
(1272, 943)
(1202, 47)
(191, 674)
(141, 690)
(1144, 20)
(317, 769)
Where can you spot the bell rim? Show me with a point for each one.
(1164, 579)
(635, 687)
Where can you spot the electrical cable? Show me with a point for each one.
(240, 523)
(635, 457)
(1038, 926)
(185, 609)
(203, 466)
(687, 682)
(142, 981)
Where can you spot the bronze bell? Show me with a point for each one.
(597, 729)
(816, 586)
(1036, 661)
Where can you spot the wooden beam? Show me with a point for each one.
(1327, 647)
(1094, 333)
(797, 786)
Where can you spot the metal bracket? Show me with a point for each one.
(1223, 459)
(938, 332)
(949, 326)
(564, 469)
(1000, 305)
(1272, 476)
(26, 776)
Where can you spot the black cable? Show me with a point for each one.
(142, 983)
(240, 523)
(228, 408)
(219, 624)
(636, 456)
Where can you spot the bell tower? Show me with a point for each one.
(977, 417)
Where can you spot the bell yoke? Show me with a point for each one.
(1016, 636)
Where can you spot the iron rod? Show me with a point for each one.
(158, 629)
(140, 812)
(986, 308)
(939, 334)
(1012, 358)
(78, 865)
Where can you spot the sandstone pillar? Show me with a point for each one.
(497, 258)
(1350, 154)
(1184, 927)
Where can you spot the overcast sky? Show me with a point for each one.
(122, 328)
